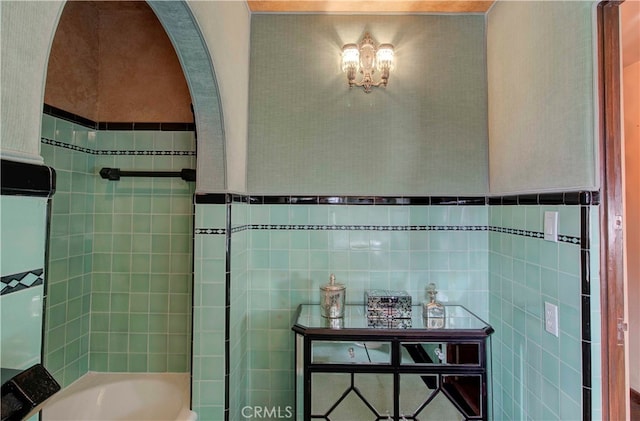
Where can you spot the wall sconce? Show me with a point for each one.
(366, 58)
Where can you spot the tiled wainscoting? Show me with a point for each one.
(488, 254)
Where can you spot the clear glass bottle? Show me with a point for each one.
(433, 311)
(332, 299)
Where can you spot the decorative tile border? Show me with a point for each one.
(210, 231)
(535, 234)
(351, 227)
(114, 152)
(20, 281)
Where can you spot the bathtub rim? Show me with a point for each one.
(95, 379)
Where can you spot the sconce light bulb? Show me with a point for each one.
(384, 57)
(350, 57)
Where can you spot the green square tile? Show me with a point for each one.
(99, 361)
(138, 342)
(140, 282)
(179, 303)
(158, 323)
(160, 264)
(138, 303)
(180, 283)
(158, 343)
(160, 243)
(279, 259)
(137, 363)
(138, 323)
(569, 258)
(100, 322)
(179, 224)
(141, 207)
(159, 283)
(141, 243)
(120, 302)
(181, 243)
(399, 261)
(55, 338)
(121, 223)
(178, 344)
(299, 214)
(100, 301)
(120, 282)
(158, 303)
(140, 263)
(180, 263)
(299, 260)
(279, 214)
(317, 215)
(118, 342)
(178, 323)
(55, 360)
(117, 362)
(122, 243)
(118, 322)
(99, 342)
(103, 223)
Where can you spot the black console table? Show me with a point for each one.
(357, 368)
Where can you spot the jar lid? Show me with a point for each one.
(332, 285)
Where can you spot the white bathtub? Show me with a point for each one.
(123, 396)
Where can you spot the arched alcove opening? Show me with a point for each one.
(121, 251)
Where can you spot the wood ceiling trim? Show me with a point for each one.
(397, 6)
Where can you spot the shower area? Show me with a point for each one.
(120, 252)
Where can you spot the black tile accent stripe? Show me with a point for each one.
(569, 198)
(19, 178)
(66, 115)
(77, 119)
(210, 198)
(586, 199)
(227, 316)
(561, 198)
(20, 281)
(114, 152)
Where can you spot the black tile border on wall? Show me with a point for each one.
(566, 198)
(105, 125)
(23, 179)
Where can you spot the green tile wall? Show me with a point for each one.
(23, 234)
(287, 267)
(121, 260)
(209, 312)
(67, 317)
(238, 335)
(276, 264)
(536, 375)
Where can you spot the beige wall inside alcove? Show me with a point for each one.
(112, 61)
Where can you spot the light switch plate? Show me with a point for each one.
(551, 226)
(551, 318)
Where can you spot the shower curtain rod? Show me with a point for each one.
(186, 174)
